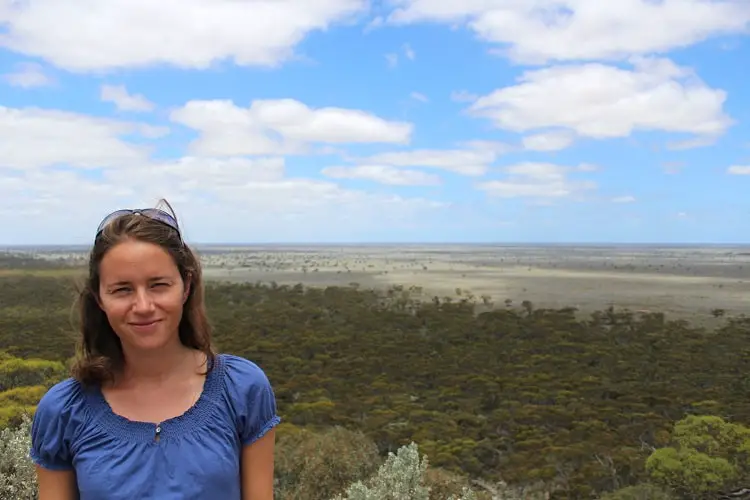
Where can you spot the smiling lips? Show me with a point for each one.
(145, 326)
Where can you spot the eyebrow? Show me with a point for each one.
(157, 278)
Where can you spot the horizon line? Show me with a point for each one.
(4, 246)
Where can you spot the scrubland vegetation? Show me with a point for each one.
(386, 397)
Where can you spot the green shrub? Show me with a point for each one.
(17, 476)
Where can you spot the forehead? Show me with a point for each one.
(136, 260)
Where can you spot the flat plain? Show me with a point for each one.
(682, 281)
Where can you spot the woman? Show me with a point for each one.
(151, 411)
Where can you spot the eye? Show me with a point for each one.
(121, 290)
(156, 285)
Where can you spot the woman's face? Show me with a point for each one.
(142, 294)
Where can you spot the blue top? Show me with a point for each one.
(197, 455)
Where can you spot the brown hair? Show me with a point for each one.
(100, 355)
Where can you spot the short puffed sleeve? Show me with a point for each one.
(54, 425)
(252, 398)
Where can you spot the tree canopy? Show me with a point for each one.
(614, 403)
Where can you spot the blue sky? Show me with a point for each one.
(391, 121)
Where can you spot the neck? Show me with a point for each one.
(156, 366)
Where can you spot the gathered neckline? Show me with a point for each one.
(188, 422)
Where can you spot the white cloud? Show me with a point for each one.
(538, 180)
(696, 142)
(383, 174)
(393, 58)
(229, 199)
(548, 141)
(418, 96)
(599, 101)
(54, 194)
(152, 131)
(542, 30)
(28, 75)
(93, 35)
(739, 170)
(32, 137)
(409, 52)
(48, 155)
(195, 173)
(283, 125)
(623, 199)
(460, 161)
(463, 96)
(123, 100)
(672, 167)
(495, 147)
(47, 158)
(587, 167)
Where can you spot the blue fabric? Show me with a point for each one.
(196, 457)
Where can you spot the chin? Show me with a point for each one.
(147, 344)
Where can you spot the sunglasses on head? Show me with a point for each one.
(151, 213)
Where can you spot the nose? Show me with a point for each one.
(143, 302)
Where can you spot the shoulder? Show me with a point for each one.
(61, 400)
(242, 374)
(251, 397)
(58, 417)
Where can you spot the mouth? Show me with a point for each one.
(144, 324)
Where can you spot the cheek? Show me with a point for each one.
(173, 305)
(114, 310)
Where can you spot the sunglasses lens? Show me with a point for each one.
(152, 213)
(111, 217)
(161, 216)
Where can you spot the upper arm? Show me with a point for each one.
(56, 484)
(257, 468)
(52, 430)
(253, 399)
(254, 405)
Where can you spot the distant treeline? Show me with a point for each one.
(10, 260)
(524, 395)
